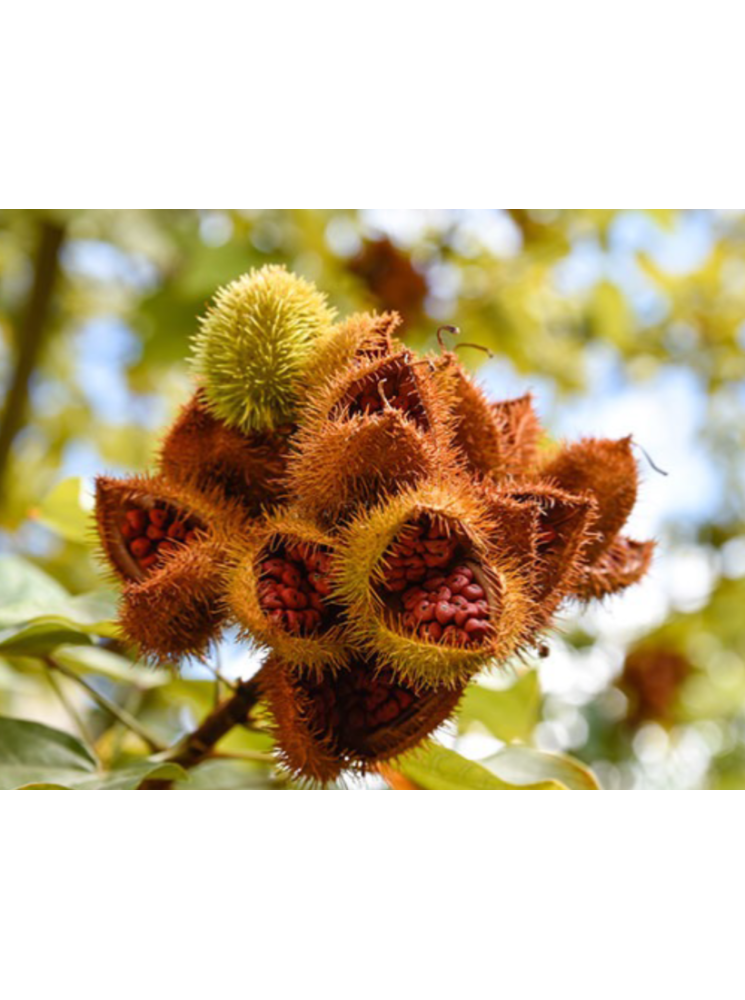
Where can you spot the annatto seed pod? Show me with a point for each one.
(426, 592)
(169, 546)
(349, 721)
(355, 341)
(204, 454)
(378, 427)
(565, 530)
(279, 593)
(624, 562)
(607, 471)
(256, 344)
(494, 440)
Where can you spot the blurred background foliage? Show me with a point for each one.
(620, 321)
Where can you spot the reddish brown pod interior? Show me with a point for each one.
(151, 533)
(433, 584)
(295, 587)
(391, 385)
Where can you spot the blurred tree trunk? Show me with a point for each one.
(30, 337)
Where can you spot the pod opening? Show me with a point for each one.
(392, 385)
(295, 587)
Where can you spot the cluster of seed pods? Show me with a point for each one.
(152, 534)
(295, 587)
(440, 598)
(356, 702)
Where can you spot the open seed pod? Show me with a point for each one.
(349, 721)
(279, 593)
(426, 592)
(624, 562)
(379, 427)
(205, 454)
(565, 530)
(607, 471)
(169, 546)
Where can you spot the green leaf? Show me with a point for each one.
(524, 766)
(66, 511)
(440, 769)
(100, 661)
(31, 753)
(132, 776)
(37, 614)
(509, 715)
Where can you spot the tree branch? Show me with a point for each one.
(30, 336)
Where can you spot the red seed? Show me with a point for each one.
(434, 583)
(155, 534)
(450, 635)
(295, 599)
(476, 628)
(273, 567)
(412, 596)
(140, 548)
(127, 531)
(167, 546)
(293, 620)
(464, 571)
(158, 517)
(457, 582)
(387, 712)
(315, 601)
(138, 520)
(444, 594)
(423, 611)
(312, 619)
(148, 561)
(177, 530)
(191, 536)
(444, 612)
(473, 592)
(290, 576)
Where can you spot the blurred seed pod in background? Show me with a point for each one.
(349, 721)
(651, 680)
(425, 591)
(279, 593)
(205, 454)
(255, 346)
(391, 278)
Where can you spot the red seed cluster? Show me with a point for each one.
(295, 588)
(440, 598)
(357, 702)
(152, 534)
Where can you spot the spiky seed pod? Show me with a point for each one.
(425, 591)
(605, 469)
(144, 522)
(623, 563)
(169, 546)
(279, 593)
(519, 433)
(256, 344)
(651, 680)
(565, 531)
(377, 428)
(349, 721)
(477, 430)
(177, 610)
(358, 339)
(203, 453)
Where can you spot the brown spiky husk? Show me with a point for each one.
(316, 746)
(625, 562)
(203, 453)
(374, 623)
(219, 519)
(477, 429)
(565, 531)
(353, 342)
(316, 653)
(344, 459)
(608, 471)
(178, 609)
(519, 432)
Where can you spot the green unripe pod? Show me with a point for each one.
(255, 344)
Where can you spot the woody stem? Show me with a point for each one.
(229, 713)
